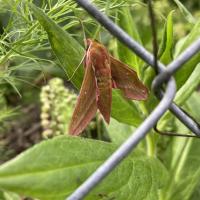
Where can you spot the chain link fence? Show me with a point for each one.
(165, 76)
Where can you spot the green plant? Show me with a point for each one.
(160, 168)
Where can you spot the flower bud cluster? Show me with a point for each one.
(57, 104)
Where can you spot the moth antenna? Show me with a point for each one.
(77, 67)
(82, 26)
(84, 35)
(85, 45)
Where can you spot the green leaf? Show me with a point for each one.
(196, 194)
(54, 168)
(11, 196)
(184, 167)
(185, 12)
(185, 171)
(124, 110)
(165, 52)
(183, 74)
(119, 132)
(2, 195)
(69, 53)
(193, 104)
(126, 22)
(189, 87)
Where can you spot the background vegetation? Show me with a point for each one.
(40, 50)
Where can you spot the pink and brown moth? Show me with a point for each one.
(102, 73)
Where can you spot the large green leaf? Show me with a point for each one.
(70, 52)
(119, 132)
(124, 110)
(55, 168)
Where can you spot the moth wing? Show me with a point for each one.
(86, 106)
(104, 103)
(126, 79)
(104, 93)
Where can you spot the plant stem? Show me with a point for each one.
(150, 141)
(150, 145)
(183, 158)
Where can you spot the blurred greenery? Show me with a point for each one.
(41, 45)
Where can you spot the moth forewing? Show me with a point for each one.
(86, 107)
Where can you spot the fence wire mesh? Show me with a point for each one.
(165, 76)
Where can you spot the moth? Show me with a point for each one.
(102, 73)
